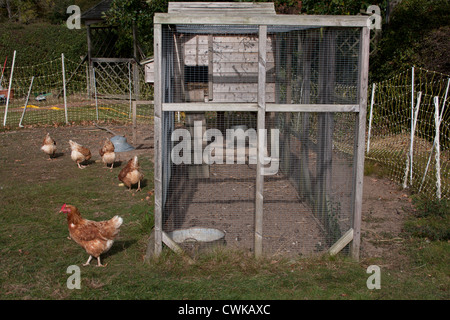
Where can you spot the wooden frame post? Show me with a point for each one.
(158, 96)
(360, 141)
(259, 199)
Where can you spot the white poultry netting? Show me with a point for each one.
(409, 130)
(103, 93)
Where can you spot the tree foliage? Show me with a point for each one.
(411, 33)
(30, 11)
(416, 33)
(125, 13)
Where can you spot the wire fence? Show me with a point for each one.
(64, 91)
(409, 131)
(407, 117)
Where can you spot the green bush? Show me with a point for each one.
(411, 23)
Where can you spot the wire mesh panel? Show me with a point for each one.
(308, 201)
(212, 183)
(315, 65)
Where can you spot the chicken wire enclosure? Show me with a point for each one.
(259, 128)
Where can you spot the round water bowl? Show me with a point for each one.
(197, 238)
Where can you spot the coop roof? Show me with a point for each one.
(237, 29)
(95, 14)
(185, 15)
(221, 8)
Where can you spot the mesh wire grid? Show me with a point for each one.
(107, 99)
(314, 65)
(308, 198)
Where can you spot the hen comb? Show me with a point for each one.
(63, 207)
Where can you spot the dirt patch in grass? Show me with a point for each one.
(21, 157)
(385, 205)
(384, 210)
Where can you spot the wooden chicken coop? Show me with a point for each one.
(268, 156)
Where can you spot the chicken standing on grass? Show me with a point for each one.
(49, 146)
(131, 174)
(107, 153)
(79, 153)
(96, 237)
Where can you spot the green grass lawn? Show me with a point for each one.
(35, 252)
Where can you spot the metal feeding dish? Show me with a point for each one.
(120, 144)
(197, 239)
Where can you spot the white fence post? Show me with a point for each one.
(64, 88)
(371, 116)
(26, 103)
(95, 92)
(413, 132)
(434, 142)
(409, 158)
(9, 88)
(437, 121)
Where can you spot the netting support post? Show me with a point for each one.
(64, 88)
(9, 89)
(26, 102)
(259, 199)
(360, 142)
(437, 122)
(372, 101)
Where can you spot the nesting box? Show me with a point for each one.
(270, 150)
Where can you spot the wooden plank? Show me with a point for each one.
(259, 198)
(157, 137)
(238, 67)
(200, 106)
(251, 77)
(341, 243)
(257, 19)
(360, 141)
(109, 60)
(179, 85)
(210, 68)
(222, 7)
(245, 87)
(236, 56)
(240, 97)
(276, 107)
(158, 185)
(175, 247)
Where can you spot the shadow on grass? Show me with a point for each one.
(119, 246)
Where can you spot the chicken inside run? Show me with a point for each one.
(96, 237)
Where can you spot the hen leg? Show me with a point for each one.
(99, 264)
(139, 186)
(88, 261)
(80, 166)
